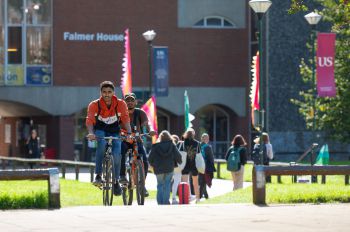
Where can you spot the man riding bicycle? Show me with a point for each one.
(138, 119)
(105, 117)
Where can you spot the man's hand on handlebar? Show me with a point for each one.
(91, 137)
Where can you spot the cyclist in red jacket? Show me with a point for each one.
(105, 117)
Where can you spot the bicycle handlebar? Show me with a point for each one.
(123, 137)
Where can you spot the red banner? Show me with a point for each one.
(325, 65)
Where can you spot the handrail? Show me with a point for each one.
(62, 163)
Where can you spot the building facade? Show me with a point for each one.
(54, 54)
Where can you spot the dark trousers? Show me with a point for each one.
(141, 150)
(202, 186)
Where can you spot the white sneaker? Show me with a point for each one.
(174, 202)
(192, 197)
(198, 200)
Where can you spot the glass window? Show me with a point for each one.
(200, 23)
(38, 45)
(227, 23)
(14, 49)
(38, 12)
(214, 22)
(14, 11)
(15, 75)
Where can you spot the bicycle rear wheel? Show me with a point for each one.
(108, 180)
(128, 190)
(140, 182)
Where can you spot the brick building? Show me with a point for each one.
(58, 51)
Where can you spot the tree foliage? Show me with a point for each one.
(332, 114)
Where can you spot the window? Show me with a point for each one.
(215, 121)
(26, 35)
(214, 22)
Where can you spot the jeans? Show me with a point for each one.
(101, 149)
(163, 188)
(141, 151)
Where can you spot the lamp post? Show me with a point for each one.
(260, 7)
(149, 36)
(313, 18)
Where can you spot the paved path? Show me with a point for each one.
(175, 218)
(218, 188)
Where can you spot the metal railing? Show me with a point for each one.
(63, 164)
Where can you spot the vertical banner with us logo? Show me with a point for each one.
(325, 65)
(161, 71)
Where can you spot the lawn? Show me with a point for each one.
(33, 194)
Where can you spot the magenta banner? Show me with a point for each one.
(325, 65)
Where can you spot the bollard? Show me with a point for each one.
(259, 185)
(54, 189)
(323, 179)
(346, 179)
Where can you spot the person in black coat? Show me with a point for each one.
(33, 147)
(208, 155)
(163, 157)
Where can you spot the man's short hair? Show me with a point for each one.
(106, 84)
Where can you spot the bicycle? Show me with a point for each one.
(108, 173)
(135, 174)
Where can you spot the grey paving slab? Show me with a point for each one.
(154, 218)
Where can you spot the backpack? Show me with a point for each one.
(257, 158)
(234, 160)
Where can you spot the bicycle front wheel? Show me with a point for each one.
(140, 182)
(128, 190)
(108, 180)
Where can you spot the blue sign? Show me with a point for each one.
(39, 76)
(161, 71)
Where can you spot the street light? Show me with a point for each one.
(313, 18)
(260, 7)
(149, 36)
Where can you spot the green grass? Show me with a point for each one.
(226, 175)
(333, 191)
(33, 194)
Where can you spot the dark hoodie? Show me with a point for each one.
(163, 157)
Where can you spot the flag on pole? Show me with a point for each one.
(150, 108)
(323, 156)
(188, 116)
(126, 82)
(254, 88)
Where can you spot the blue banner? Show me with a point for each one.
(161, 71)
(39, 76)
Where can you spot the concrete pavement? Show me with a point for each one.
(174, 218)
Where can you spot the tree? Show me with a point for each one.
(332, 114)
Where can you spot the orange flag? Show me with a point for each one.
(150, 108)
(126, 82)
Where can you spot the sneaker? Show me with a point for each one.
(146, 192)
(192, 197)
(117, 189)
(98, 180)
(198, 200)
(123, 180)
(174, 202)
